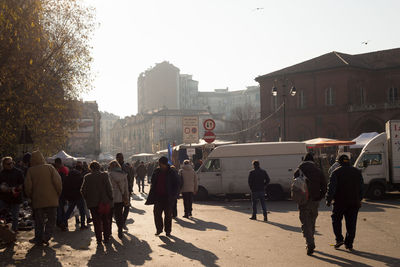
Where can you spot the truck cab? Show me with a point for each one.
(373, 163)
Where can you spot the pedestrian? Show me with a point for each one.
(163, 192)
(345, 189)
(120, 193)
(63, 171)
(72, 193)
(189, 186)
(43, 186)
(258, 180)
(316, 186)
(11, 185)
(334, 165)
(140, 175)
(97, 191)
(150, 170)
(129, 176)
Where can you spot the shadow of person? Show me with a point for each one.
(189, 251)
(78, 239)
(7, 254)
(129, 251)
(389, 261)
(336, 260)
(287, 227)
(138, 211)
(200, 225)
(40, 256)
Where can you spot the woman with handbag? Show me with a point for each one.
(119, 183)
(97, 191)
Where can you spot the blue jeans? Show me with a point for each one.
(255, 196)
(71, 205)
(14, 209)
(61, 211)
(44, 228)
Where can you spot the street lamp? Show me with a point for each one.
(274, 93)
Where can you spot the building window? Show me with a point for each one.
(301, 100)
(393, 95)
(362, 96)
(329, 97)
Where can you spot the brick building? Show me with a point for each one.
(337, 96)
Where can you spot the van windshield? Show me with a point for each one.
(211, 165)
(370, 159)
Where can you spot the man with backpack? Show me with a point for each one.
(258, 180)
(315, 191)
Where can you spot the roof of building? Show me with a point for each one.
(373, 61)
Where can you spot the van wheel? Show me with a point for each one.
(376, 191)
(202, 194)
(274, 192)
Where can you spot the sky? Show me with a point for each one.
(226, 43)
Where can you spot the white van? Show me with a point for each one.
(226, 169)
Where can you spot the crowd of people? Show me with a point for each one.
(98, 192)
(345, 190)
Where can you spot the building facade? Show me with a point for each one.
(337, 96)
(85, 139)
(106, 124)
(152, 132)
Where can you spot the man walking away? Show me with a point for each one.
(43, 186)
(316, 185)
(140, 175)
(130, 175)
(258, 180)
(163, 193)
(189, 186)
(72, 193)
(11, 184)
(346, 190)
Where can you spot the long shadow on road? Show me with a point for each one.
(190, 251)
(132, 251)
(343, 261)
(200, 225)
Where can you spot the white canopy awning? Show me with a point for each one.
(363, 139)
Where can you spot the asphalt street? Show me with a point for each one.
(221, 234)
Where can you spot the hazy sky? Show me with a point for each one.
(226, 43)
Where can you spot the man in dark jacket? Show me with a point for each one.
(316, 185)
(258, 180)
(163, 193)
(346, 190)
(11, 183)
(72, 193)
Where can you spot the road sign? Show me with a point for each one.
(209, 124)
(190, 129)
(190, 151)
(209, 137)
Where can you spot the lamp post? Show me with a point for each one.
(292, 92)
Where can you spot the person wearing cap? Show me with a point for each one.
(345, 189)
(163, 193)
(316, 185)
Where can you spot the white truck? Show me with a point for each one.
(379, 162)
(226, 170)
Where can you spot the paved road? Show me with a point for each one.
(220, 234)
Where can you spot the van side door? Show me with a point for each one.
(210, 176)
(372, 167)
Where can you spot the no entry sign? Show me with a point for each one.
(209, 137)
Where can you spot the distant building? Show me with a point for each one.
(338, 96)
(85, 140)
(106, 124)
(152, 132)
(158, 88)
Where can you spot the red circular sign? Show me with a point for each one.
(209, 137)
(209, 124)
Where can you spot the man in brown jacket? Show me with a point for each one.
(43, 185)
